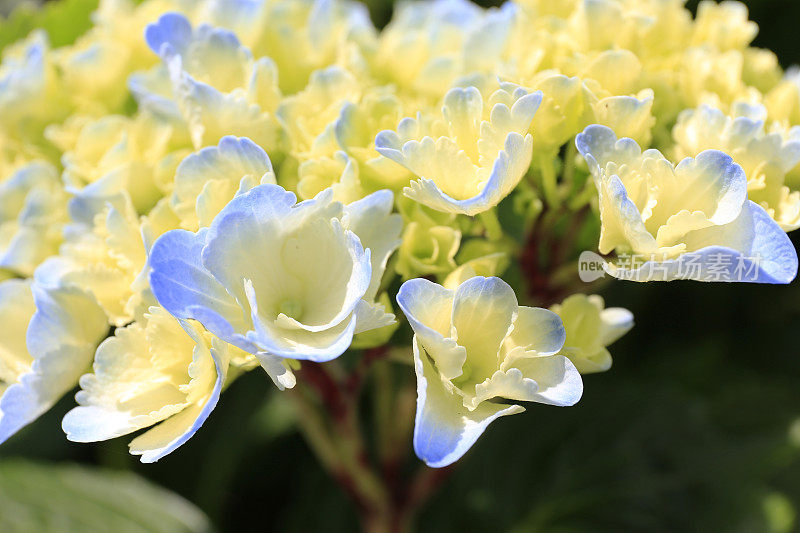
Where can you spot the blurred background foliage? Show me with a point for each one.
(695, 428)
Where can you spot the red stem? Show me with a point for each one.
(339, 399)
(539, 270)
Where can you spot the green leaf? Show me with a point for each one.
(52, 497)
(63, 20)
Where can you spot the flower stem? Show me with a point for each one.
(327, 409)
(329, 424)
(568, 175)
(549, 181)
(491, 223)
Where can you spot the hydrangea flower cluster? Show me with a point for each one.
(196, 189)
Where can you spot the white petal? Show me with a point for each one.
(615, 322)
(371, 316)
(281, 376)
(559, 382)
(371, 220)
(483, 311)
(537, 330)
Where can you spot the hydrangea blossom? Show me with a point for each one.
(205, 181)
(114, 154)
(331, 127)
(765, 156)
(33, 212)
(302, 36)
(692, 220)
(278, 279)
(473, 156)
(307, 117)
(439, 42)
(474, 344)
(208, 82)
(566, 107)
(590, 328)
(106, 260)
(429, 244)
(159, 372)
(29, 90)
(49, 337)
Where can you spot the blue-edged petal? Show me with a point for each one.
(211, 113)
(179, 428)
(551, 380)
(152, 90)
(599, 145)
(276, 368)
(558, 381)
(504, 176)
(184, 287)
(172, 33)
(231, 255)
(61, 338)
(711, 183)
(233, 159)
(751, 249)
(443, 428)
(428, 307)
(622, 220)
(614, 323)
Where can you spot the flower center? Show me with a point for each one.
(291, 308)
